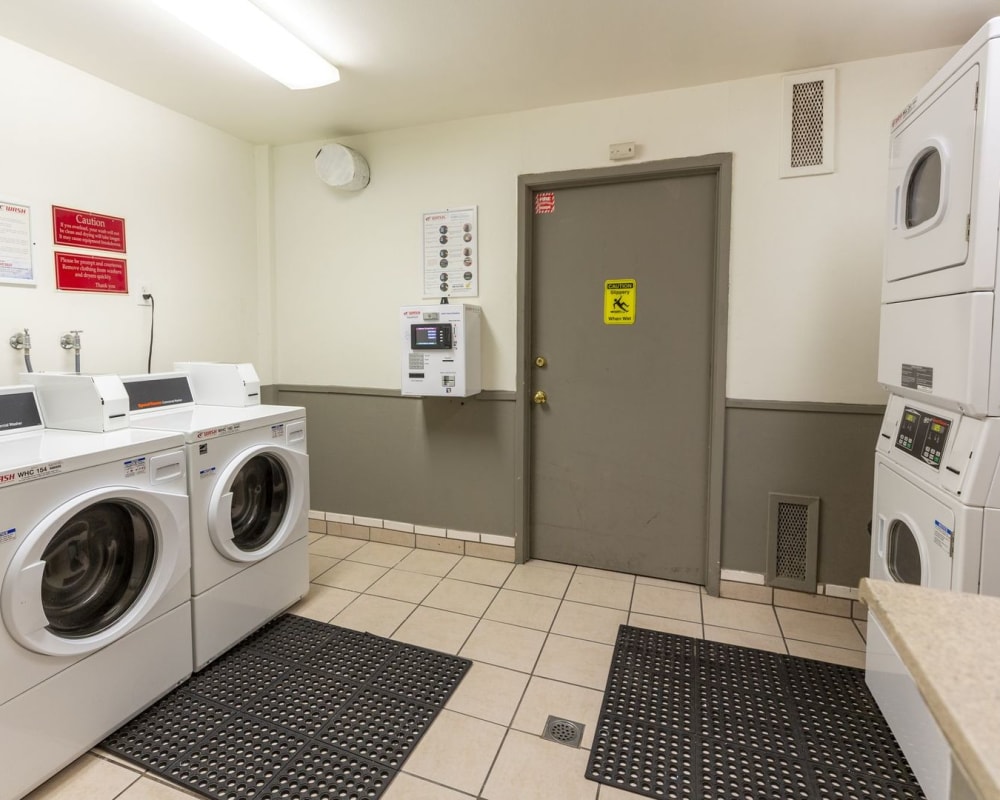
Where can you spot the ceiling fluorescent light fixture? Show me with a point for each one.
(243, 29)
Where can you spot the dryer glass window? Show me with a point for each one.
(260, 501)
(902, 554)
(96, 567)
(923, 192)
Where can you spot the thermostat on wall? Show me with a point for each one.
(342, 167)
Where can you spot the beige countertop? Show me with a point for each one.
(950, 643)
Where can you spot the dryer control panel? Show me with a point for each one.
(923, 435)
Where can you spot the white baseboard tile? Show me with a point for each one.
(317, 515)
(738, 576)
(402, 527)
(491, 538)
(848, 592)
(465, 536)
(370, 522)
(344, 518)
(425, 530)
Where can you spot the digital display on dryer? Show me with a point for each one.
(923, 436)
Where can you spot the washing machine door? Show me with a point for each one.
(93, 570)
(913, 540)
(930, 185)
(258, 504)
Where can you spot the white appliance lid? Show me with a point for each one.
(196, 421)
(66, 451)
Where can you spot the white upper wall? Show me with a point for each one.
(187, 193)
(806, 253)
(215, 227)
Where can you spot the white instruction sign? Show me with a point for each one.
(15, 244)
(451, 252)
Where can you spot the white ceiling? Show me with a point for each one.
(410, 62)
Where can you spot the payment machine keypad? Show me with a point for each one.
(923, 436)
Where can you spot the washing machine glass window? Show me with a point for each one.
(96, 567)
(923, 188)
(260, 501)
(903, 554)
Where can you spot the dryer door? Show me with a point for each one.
(93, 570)
(913, 538)
(930, 186)
(258, 504)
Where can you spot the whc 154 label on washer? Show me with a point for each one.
(30, 473)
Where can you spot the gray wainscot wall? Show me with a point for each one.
(450, 463)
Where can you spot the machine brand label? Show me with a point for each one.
(30, 473)
(205, 473)
(135, 466)
(8, 535)
(222, 430)
(907, 110)
(278, 431)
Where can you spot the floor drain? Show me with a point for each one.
(563, 731)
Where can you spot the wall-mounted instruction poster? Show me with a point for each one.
(451, 252)
(15, 244)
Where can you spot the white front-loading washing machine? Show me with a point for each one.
(94, 585)
(939, 337)
(936, 523)
(249, 488)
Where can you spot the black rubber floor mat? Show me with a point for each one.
(301, 709)
(687, 719)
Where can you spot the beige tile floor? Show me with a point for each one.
(540, 636)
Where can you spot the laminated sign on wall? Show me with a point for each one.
(451, 252)
(619, 301)
(84, 272)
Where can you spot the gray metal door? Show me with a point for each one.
(619, 446)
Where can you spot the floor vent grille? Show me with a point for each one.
(792, 541)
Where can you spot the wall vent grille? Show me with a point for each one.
(808, 123)
(792, 541)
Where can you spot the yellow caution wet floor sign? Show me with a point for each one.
(619, 301)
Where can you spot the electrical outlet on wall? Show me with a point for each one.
(621, 150)
(144, 290)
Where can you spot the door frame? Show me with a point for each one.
(721, 166)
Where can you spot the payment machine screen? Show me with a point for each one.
(923, 436)
(430, 337)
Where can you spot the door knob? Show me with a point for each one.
(540, 398)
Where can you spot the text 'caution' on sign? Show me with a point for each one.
(619, 301)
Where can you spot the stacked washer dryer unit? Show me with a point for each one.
(94, 585)
(249, 486)
(936, 516)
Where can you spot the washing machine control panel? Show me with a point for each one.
(19, 410)
(923, 435)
